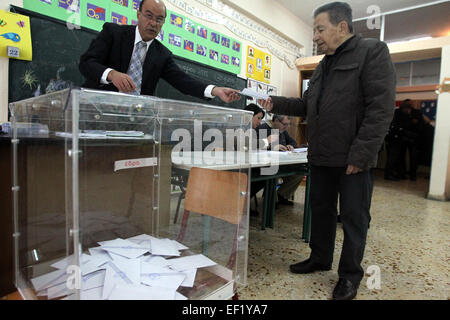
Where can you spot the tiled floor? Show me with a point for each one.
(408, 240)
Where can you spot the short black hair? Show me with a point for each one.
(255, 109)
(337, 11)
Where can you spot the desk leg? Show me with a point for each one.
(273, 201)
(266, 204)
(307, 212)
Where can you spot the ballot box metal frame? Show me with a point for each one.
(94, 166)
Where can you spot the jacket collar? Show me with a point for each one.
(351, 43)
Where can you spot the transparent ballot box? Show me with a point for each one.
(128, 197)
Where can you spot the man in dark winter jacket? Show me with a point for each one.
(348, 106)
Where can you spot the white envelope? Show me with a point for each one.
(93, 280)
(156, 261)
(180, 246)
(49, 280)
(190, 278)
(141, 292)
(131, 268)
(64, 263)
(112, 279)
(170, 281)
(164, 247)
(123, 248)
(57, 291)
(179, 296)
(191, 262)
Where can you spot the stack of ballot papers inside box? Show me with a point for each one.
(138, 268)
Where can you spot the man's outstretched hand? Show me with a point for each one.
(227, 95)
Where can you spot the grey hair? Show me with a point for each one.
(337, 11)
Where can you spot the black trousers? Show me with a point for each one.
(355, 193)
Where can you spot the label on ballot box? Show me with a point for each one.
(135, 163)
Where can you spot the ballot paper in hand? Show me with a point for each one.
(253, 94)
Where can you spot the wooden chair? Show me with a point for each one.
(218, 194)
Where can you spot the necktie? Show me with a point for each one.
(135, 68)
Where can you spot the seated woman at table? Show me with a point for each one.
(263, 143)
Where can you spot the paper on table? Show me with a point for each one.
(254, 94)
(298, 150)
(124, 248)
(164, 247)
(191, 262)
(141, 292)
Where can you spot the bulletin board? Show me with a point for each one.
(15, 36)
(258, 65)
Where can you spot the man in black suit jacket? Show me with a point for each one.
(106, 62)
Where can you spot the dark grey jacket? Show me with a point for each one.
(356, 106)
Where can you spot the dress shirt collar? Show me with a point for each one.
(138, 38)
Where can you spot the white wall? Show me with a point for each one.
(4, 63)
(440, 169)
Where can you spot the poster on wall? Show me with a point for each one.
(260, 87)
(183, 36)
(258, 65)
(15, 36)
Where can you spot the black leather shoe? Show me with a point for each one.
(344, 290)
(307, 266)
(284, 201)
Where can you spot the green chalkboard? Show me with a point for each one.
(56, 53)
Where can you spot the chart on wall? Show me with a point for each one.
(183, 36)
(258, 65)
(260, 87)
